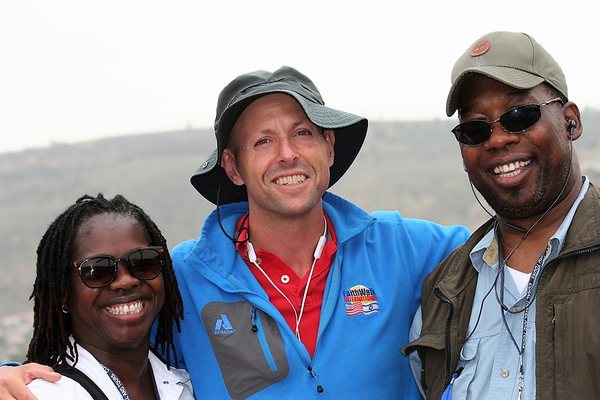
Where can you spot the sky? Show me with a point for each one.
(77, 70)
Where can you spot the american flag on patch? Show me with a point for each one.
(357, 307)
(354, 308)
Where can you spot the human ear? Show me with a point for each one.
(228, 162)
(330, 139)
(573, 124)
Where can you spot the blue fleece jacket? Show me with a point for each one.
(235, 344)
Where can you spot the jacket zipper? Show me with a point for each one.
(262, 340)
(575, 253)
(553, 323)
(312, 373)
(444, 299)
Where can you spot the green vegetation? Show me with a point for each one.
(414, 167)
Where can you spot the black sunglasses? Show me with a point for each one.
(516, 120)
(99, 271)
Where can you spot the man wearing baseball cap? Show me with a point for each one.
(513, 313)
(292, 292)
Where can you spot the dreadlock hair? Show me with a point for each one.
(50, 344)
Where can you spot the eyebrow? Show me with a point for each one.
(517, 93)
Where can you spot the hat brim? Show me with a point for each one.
(509, 76)
(350, 130)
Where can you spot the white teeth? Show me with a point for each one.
(506, 168)
(126, 309)
(290, 180)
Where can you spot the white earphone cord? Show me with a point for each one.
(317, 254)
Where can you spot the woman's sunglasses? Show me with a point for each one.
(515, 120)
(99, 271)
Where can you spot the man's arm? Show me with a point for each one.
(14, 380)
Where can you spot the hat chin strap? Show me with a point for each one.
(236, 235)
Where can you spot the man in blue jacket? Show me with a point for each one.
(290, 291)
(293, 292)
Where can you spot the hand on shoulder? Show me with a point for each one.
(13, 380)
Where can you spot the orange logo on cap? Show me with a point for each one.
(480, 48)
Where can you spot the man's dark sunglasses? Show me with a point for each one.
(99, 271)
(516, 120)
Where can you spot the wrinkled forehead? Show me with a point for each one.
(265, 113)
(479, 89)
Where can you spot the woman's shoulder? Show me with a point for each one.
(64, 389)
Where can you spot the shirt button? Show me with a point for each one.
(285, 279)
(516, 309)
(504, 373)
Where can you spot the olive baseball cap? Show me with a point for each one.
(514, 59)
(350, 130)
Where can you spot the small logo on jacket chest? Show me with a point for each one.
(360, 299)
(223, 326)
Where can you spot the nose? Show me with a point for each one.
(500, 138)
(286, 151)
(124, 279)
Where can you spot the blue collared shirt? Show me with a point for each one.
(489, 357)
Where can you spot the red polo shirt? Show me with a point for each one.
(291, 284)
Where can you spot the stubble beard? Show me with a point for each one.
(522, 204)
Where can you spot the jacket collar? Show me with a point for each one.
(218, 253)
(584, 231)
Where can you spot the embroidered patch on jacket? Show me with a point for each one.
(360, 299)
(223, 326)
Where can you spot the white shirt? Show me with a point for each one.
(173, 384)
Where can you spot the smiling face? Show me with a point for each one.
(281, 157)
(119, 316)
(519, 175)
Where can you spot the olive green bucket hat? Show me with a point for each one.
(350, 130)
(514, 59)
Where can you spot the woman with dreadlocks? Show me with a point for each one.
(104, 275)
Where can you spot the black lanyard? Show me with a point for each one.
(529, 298)
(116, 381)
(121, 387)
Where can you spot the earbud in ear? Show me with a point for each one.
(571, 124)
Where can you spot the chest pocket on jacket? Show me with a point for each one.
(247, 345)
(572, 341)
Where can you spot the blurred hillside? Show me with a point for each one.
(414, 167)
